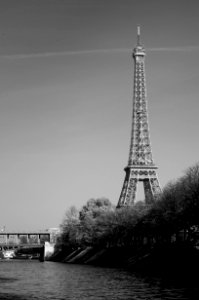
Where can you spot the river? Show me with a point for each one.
(28, 280)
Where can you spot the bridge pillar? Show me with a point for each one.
(42, 254)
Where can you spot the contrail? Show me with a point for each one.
(64, 53)
(96, 51)
(175, 49)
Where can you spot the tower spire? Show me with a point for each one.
(138, 35)
(140, 165)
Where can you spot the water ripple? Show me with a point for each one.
(30, 280)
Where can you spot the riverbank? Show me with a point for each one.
(167, 258)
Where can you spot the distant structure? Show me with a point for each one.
(24, 238)
(140, 164)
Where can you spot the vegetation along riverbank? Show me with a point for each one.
(163, 235)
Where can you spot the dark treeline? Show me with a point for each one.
(173, 218)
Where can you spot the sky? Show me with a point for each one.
(66, 87)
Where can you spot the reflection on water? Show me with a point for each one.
(28, 280)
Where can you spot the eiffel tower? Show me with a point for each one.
(140, 164)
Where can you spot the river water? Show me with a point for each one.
(28, 280)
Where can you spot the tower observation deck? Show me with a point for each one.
(140, 165)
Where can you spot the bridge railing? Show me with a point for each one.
(24, 238)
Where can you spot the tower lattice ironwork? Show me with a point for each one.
(140, 164)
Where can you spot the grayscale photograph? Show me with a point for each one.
(99, 149)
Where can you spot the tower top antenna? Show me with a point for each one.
(138, 35)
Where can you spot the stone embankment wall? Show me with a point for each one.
(175, 258)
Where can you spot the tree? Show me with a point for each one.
(190, 195)
(95, 207)
(89, 215)
(70, 231)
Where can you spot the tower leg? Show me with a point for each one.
(155, 186)
(148, 191)
(131, 193)
(129, 189)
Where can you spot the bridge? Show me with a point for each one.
(41, 242)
